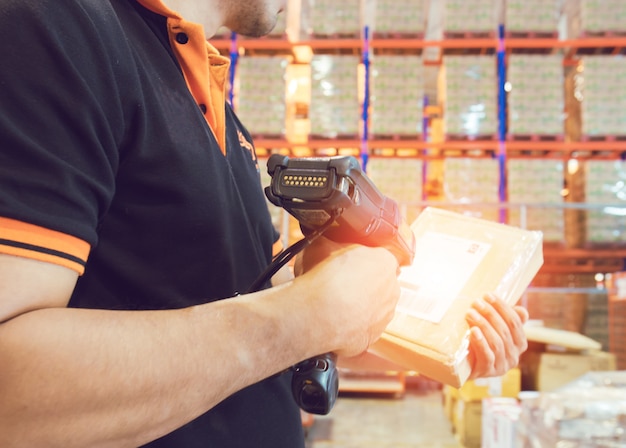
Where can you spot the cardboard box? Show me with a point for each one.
(458, 260)
(507, 386)
(556, 357)
(450, 397)
(548, 371)
(499, 422)
(468, 418)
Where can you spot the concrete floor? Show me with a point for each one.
(413, 419)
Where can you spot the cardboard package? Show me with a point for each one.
(557, 357)
(468, 418)
(506, 386)
(458, 260)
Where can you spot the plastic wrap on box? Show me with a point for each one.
(603, 97)
(592, 17)
(536, 100)
(400, 179)
(478, 16)
(458, 260)
(335, 107)
(588, 412)
(261, 94)
(605, 184)
(468, 92)
(397, 111)
(616, 284)
(331, 18)
(601, 16)
(473, 181)
(537, 182)
(499, 422)
(525, 16)
(398, 17)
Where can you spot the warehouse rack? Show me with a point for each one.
(572, 49)
(559, 258)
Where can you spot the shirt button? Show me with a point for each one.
(182, 38)
(203, 108)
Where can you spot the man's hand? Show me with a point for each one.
(497, 337)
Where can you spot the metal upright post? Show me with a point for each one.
(366, 99)
(234, 56)
(502, 191)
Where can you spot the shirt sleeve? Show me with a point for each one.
(60, 128)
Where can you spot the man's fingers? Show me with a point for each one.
(482, 357)
(497, 336)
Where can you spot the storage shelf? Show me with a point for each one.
(558, 259)
(617, 43)
(605, 149)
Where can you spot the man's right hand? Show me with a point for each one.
(356, 292)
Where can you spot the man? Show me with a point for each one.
(129, 205)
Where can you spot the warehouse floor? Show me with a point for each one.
(414, 419)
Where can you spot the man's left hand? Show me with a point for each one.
(497, 337)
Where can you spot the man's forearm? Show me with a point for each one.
(81, 378)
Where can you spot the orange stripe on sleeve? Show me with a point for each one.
(39, 243)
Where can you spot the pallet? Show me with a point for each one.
(337, 35)
(470, 138)
(372, 383)
(397, 152)
(603, 34)
(350, 137)
(396, 137)
(535, 137)
(272, 37)
(562, 154)
(397, 35)
(603, 138)
(532, 34)
(470, 153)
(469, 35)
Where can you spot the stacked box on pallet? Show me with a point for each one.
(582, 311)
(617, 317)
(603, 96)
(554, 310)
(593, 18)
(335, 109)
(331, 18)
(536, 100)
(399, 17)
(531, 16)
(536, 181)
(605, 186)
(468, 91)
(260, 100)
(602, 16)
(587, 412)
(597, 318)
(398, 178)
(471, 16)
(397, 111)
(474, 182)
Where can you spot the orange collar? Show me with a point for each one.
(205, 70)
